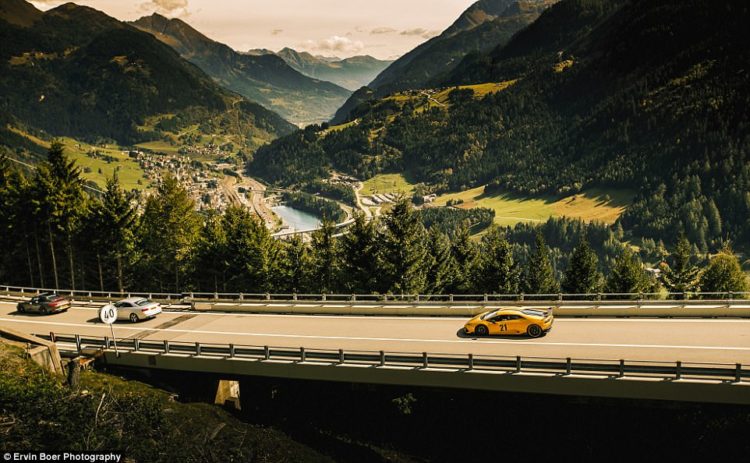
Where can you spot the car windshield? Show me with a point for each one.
(142, 302)
(489, 315)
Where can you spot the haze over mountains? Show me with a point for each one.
(264, 78)
(75, 71)
(351, 73)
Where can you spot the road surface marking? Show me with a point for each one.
(356, 338)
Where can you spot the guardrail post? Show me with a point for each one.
(382, 358)
(197, 348)
(267, 352)
(216, 296)
(302, 355)
(425, 361)
(268, 297)
(341, 356)
(136, 344)
(242, 296)
(354, 297)
(471, 361)
(520, 297)
(486, 299)
(294, 296)
(518, 364)
(166, 346)
(622, 368)
(231, 351)
(450, 297)
(106, 342)
(418, 298)
(738, 373)
(678, 371)
(323, 297)
(559, 297)
(731, 295)
(568, 366)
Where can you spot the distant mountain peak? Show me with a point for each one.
(19, 12)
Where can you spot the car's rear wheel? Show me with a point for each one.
(134, 318)
(534, 331)
(21, 309)
(481, 330)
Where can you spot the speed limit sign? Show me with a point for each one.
(108, 314)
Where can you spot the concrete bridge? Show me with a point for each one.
(688, 359)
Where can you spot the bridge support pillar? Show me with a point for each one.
(228, 394)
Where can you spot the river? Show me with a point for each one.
(297, 219)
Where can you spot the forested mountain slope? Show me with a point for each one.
(639, 94)
(267, 79)
(484, 25)
(75, 71)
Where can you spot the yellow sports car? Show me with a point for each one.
(511, 321)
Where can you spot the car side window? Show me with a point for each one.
(120, 304)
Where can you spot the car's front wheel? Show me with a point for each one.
(43, 310)
(534, 331)
(134, 318)
(481, 330)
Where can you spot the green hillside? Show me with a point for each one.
(611, 94)
(74, 71)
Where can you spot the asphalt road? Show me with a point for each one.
(660, 340)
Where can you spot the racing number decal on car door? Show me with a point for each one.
(503, 327)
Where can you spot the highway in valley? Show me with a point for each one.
(725, 341)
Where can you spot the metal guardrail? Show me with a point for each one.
(553, 299)
(731, 373)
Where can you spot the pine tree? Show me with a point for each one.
(210, 261)
(583, 276)
(724, 274)
(251, 251)
(111, 232)
(443, 271)
(628, 275)
(324, 254)
(404, 251)
(681, 276)
(169, 229)
(465, 254)
(294, 266)
(540, 276)
(496, 272)
(360, 257)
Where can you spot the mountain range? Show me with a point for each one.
(634, 94)
(75, 71)
(482, 27)
(350, 73)
(263, 78)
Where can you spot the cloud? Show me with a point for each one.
(277, 31)
(166, 7)
(335, 43)
(424, 33)
(382, 30)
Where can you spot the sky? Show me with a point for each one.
(385, 29)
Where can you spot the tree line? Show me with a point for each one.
(54, 234)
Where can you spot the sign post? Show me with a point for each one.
(108, 315)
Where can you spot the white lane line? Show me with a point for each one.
(355, 338)
(440, 318)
